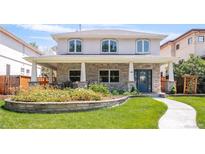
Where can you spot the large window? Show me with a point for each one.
(75, 45)
(109, 76)
(200, 38)
(177, 47)
(22, 70)
(189, 40)
(74, 75)
(109, 46)
(143, 46)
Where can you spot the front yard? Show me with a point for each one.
(139, 112)
(198, 103)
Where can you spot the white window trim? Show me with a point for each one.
(200, 41)
(191, 40)
(143, 52)
(109, 40)
(75, 40)
(108, 75)
(73, 70)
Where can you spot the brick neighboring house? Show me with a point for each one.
(118, 58)
(191, 42)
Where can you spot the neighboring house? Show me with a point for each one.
(191, 42)
(118, 58)
(12, 52)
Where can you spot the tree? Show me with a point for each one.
(34, 44)
(193, 66)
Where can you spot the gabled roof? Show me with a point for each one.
(182, 36)
(4, 31)
(105, 33)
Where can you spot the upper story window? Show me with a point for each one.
(109, 46)
(22, 70)
(190, 40)
(75, 45)
(200, 38)
(177, 46)
(143, 46)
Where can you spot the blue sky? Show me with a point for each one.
(41, 33)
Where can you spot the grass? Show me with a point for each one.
(141, 112)
(198, 103)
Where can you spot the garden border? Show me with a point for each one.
(58, 107)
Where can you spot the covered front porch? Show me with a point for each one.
(116, 71)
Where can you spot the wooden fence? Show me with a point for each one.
(163, 84)
(11, 84)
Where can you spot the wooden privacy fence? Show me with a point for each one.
(163, 84)
(11, 84)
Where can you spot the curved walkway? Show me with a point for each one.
(178, 115)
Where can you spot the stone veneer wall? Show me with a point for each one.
(92, 73)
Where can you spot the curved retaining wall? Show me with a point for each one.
(57, 107)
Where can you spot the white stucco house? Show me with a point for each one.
(120, 59)
(12, 52)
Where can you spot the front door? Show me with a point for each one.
(143, 80)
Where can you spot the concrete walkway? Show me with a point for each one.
(178, 115)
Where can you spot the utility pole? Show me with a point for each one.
(80, 27)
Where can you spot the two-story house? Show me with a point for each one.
(118, 58)
(191, 42)
(12, 52)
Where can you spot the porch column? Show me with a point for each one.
(83, 73)
(50, 76)
(171, 72)
(131, 81)
(131, 72)
(170, 83)
(34, 73)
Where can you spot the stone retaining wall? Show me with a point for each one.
(57, 107)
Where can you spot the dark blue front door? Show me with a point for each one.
(143, 80)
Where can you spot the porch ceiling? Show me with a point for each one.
(101, 59)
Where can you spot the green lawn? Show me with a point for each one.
(141, 112)
(198, 103)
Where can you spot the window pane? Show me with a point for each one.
(114, 73)
(74, 73)
(74, 76)
(113, 46)
(71, 46)
(114, 76)
(104, 79)
(104, 76)
(74, 79)
(78, 46)
(139, 46)
(190, 41)
(104, 73)
(146, 46)
(201, 39)
(105, 47)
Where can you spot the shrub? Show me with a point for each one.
(99, 88)
(117, 91)
(41, 94)
(82, 94)
(173, 89)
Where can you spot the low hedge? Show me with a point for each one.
(46, 94)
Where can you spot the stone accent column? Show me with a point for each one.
(50, 76)
(34, 74)
(83, 82)
(170, 82)
(131, 82)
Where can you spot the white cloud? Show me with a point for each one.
(47, 28)
(40, 37)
